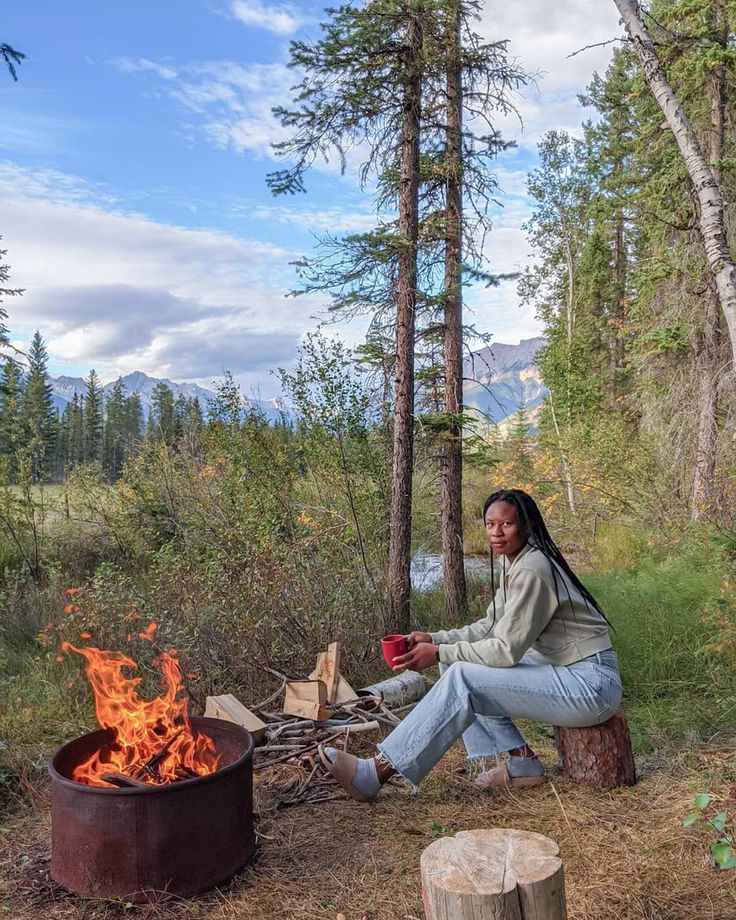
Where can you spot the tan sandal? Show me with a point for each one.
(499, 778)
(343, 769)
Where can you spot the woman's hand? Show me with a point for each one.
(416, 637)
(422, 655)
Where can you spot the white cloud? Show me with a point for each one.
(284, 19)
(320, 220)
(143, 65)
(122, 292)
(232, 102)
(541, 37)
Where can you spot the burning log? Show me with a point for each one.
(125, 782)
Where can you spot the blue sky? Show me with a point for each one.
(133, 158)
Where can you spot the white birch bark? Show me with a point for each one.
(712, 224)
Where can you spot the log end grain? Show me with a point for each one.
(493, 874)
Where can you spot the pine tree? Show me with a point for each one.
(92, 423)
(162, 420)
(61, 447)
(73, 425)
(349, 97)
(114, 435)
(38, 416)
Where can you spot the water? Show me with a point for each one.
(426, 569)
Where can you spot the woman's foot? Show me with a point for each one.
(516, 771)
(361, 778)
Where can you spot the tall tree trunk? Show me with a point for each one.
(620, 265)
(703, 490)
(703, 494)
(707, 187)
(399, 582)
(452, 454)
(567, 477)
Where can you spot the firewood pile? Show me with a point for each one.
(322, 709)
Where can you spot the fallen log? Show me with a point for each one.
(407, 687)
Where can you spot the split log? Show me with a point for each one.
(599, 756)
(328, 669)
(229, 708)
(306, 699)
(493, 874)
(344, 693)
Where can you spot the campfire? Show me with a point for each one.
(155, 800)
(152, 740)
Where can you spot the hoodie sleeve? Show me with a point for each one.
(481, 629)
(530, 605)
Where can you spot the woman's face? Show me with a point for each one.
(503, 532)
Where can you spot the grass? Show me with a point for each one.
(625, 852)
(673, 621)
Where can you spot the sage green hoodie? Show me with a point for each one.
(529, 617)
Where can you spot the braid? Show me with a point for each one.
(530, 518)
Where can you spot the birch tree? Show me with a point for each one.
(705, 182)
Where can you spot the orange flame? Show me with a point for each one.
(153, 739)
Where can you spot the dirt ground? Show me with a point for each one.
(625, 852)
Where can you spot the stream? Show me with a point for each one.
(426, 569)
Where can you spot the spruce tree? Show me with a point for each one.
(92, 423)
(114, 435)
(73, 424)
(162, 419)
(38, 416)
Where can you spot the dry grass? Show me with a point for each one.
(625, 852)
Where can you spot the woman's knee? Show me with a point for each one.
(457, 672)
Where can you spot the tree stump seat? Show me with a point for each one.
(493, 874)
(599, 756)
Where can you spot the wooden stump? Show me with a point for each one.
(599, 756)
(495, 874)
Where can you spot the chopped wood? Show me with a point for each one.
(229, 708)
(343, 693)
(328, 669)
(307, 699)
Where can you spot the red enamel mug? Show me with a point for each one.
(392, 647)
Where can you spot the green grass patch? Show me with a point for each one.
(675, 656)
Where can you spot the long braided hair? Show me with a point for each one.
(530, 519)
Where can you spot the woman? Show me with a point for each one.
(542, 652)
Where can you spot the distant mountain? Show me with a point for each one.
(500, 379)
(63, 390)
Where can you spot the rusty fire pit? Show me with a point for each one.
(184, 837)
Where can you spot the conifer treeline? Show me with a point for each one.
(95, 429)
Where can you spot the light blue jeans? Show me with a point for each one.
(478, 702)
